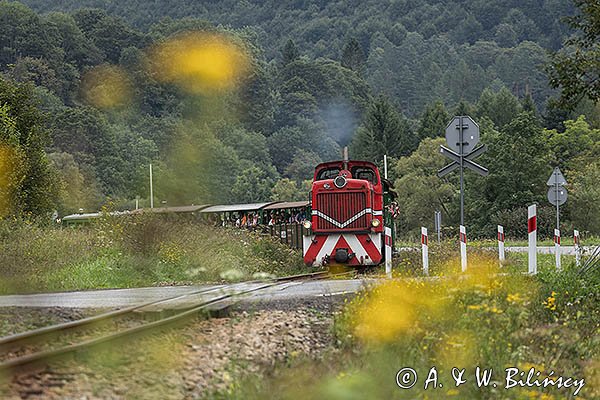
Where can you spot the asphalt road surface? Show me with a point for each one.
(118, 298)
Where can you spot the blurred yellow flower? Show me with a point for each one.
(106, 86)
(200, 62)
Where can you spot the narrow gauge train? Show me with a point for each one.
(351, 208)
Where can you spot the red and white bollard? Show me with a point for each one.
(463, 248)
(557, 249)
(388, 251)
(532, 229)
(577, 248)
(425, 250)
(501, 244)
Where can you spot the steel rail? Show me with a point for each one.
(47, 330)
(52, 353)
(38, 333)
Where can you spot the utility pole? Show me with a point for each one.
(385, 166)
(151, 190)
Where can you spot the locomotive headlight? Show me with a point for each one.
(307, 224)
(375, 222)
(339, 181)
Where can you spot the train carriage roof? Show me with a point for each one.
(287, 204)
(236, 207)
(75, 217)
(86, 216)
(177, 209)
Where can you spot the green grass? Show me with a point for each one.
(121, 253)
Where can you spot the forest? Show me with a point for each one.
(89, 97)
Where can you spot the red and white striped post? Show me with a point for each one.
(501, 244)
(532, 229)
(577, 248)
(463, 248)
(388, 251)
(425, 250)
(557, 249)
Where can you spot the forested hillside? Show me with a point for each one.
(238, 101)
(416, 51)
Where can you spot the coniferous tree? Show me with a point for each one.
(384, 131)
(528, 105)
(463, 108)
(353, 57)
(289, 52)
(433, 121)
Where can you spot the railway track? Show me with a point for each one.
(19, 345)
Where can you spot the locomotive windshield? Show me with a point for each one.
(328, 173)
(358, 172)
(364, 173)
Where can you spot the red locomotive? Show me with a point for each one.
(351, 215)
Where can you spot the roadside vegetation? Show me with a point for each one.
(139, 251)
(549, 322)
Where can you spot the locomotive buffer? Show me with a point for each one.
(462, 135)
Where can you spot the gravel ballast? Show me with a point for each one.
(197, 360)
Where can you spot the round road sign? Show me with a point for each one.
(470, 132)
(559, 195)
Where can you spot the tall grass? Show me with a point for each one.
(135, 251)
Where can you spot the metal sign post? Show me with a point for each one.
(438, 225)
(557, 193)
(462, 135)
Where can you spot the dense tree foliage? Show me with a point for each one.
(383, 77)
(384, 131)
(26, 181)
(416, 51)
(420, 190)
(576, 68)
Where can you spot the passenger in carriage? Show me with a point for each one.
(300, 216)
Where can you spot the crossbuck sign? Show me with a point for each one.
(462, 135)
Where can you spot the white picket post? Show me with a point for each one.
(501, 244)
(425, 250)
(577, 248)
(532, 229)
(557, 249)
(388, 251)
(463, 248)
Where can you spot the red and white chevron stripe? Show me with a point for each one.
(365, 247)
